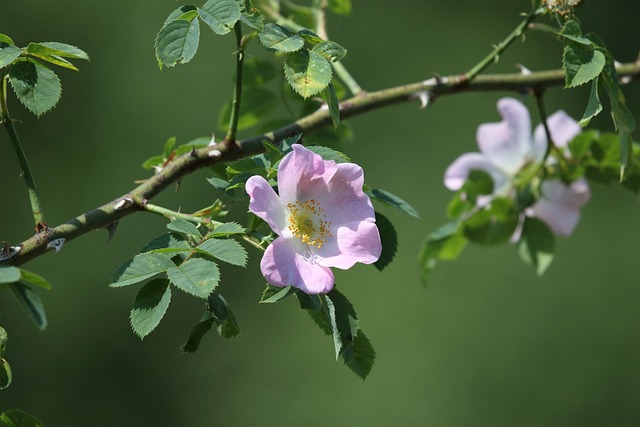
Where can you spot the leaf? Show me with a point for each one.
(257, 72)
(331, 99)
(280, 39)
(55, 53)
(308, 73)
(31, 302)
(329, 153)
(66, 50)
(594, 106)
(341, 7)
(227, 229)
(256, 105)
(185, 227)
(180, 12)
(167, 240)
(581, 64)
(36, 86)
(34, 279)
(392, 200)
(330, 50)
(196, 276)
(6, 39)
(9, 274)
(273, 294)
(446, 243)
(198, 332)
(253, 20)
(139, 268)
(177, 42)
(537, 244)
(8, 54)
(150, 306)
(494, 224)
(223, 316)
(227, 250)
(360, 355)
(18, 418)
(5, 374)
(220, 15)
(389, 239)
(3, 340)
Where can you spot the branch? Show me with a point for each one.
(136, 199)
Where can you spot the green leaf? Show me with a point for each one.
(220, 15)
(6, 39)
(392, 200)
(180, 12)
(227, 250)
(150, 306)
(140, 268)
(280, 39)
(329, 153)
(31, 302)
(5, 374)
(177, 42)
(494, 224)
(167, 240)
(389, 238)
(256, 105)
(8, 54)
(330, 50)
(273, 294)
(571, 31)
(537, 244)
(65, 50)
(9, 274)
(196, 276)
(34, 279)
(341, 7)
(253, 20)
(36, 86)
(198, 332)
(360, 355)
(227, 229)
(331, 99)
(446, 243)
(257, 72)
(185, 227)
(594, 106)
(581, 64)
(3, 340)
(223, 316)
(308, 73)
(18, 418)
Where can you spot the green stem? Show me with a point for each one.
(503, 45)
(168, 213)
(539, 94)
(237, 94)
(38, 214)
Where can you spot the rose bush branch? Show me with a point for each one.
(227, 151)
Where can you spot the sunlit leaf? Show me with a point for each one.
(36, 86)
(140, 268)
(308, 72)
(196, 276)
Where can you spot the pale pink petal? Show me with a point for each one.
(352, 243)
(507, 144)
(560, 205)
(302, 174)
(562, 128)
(265, 203)
(344, 201)
(287, 262)
(458, 172)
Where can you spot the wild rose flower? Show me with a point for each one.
(507, 147)
(322, 218)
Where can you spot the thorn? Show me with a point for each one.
(9, 251)
(215, 153)
(425, 99)
(111, 229)
(123, 204)
(56, 244)
(523, 70)
(213, 140)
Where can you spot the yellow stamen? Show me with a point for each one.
(306, 222)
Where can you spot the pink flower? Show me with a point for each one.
(322, 218)
(507, 147)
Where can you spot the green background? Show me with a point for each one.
(488, 343)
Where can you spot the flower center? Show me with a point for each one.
(307, 222)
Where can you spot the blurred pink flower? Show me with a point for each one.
(507, 147)
(322, 218)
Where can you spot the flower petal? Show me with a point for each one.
(458, 171)
(302, 174)
(283, 264)
(560, 205)
(343, 200)
(265, 203)
(352, 243)
(508, 143)
(562, 128)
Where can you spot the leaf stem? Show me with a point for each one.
(494, 55)
(237, 94)
(551, 146)
(168, 213)
(5, 117)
